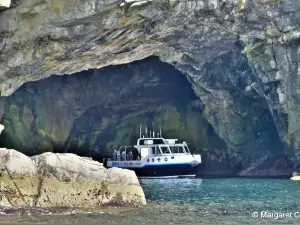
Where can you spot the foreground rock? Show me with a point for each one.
(64, 180)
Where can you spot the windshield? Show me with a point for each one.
(165, 150)
(187, 149)
(177, 149)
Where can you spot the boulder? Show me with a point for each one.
(1, 128)
(296, 178)
(5, 3)
(64, 180)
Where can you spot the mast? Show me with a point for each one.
(160, 131)
(146, 131)
(140, 130)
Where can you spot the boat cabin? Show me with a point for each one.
(146, 147)
(160, 146)
(150, 144)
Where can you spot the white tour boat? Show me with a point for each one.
(154, 156)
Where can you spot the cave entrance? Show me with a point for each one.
(91, 112)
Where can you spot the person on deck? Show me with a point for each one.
(115, 155)
(118, 155)
(130, 155)
(124, 155)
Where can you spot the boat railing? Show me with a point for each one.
(170, 154)
(123, 152)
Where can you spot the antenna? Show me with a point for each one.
(140, 130)
(146, 132)
(160, 131)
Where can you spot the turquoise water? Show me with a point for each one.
(196, 201)
(231, 195)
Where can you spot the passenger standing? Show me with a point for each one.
(115, 155)
(118, 155)
(124, 155)
(130, 155)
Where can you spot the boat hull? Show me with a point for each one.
(161, 166)
(167, 170)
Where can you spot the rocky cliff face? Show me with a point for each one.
(252, 108)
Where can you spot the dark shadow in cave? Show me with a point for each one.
(150, 85)
(91, 112)
(102, 109)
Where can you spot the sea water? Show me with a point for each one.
(192, 201)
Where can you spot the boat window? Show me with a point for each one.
(174, 149)
(153, 150)
(177, 149)
(181, 150)
(158, 151)
(187, 149)
(165, 150)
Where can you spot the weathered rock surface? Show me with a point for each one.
(202, 38)
(64, 180)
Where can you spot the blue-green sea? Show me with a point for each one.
(192, 201)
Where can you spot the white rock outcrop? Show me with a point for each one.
(64, 180)
(5, 3)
